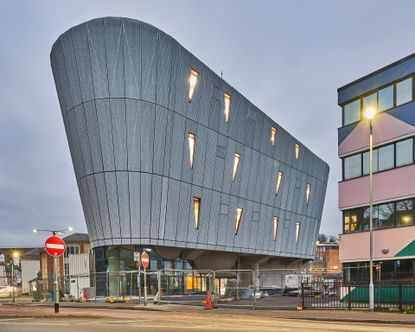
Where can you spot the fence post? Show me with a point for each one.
(302, 295)
(400, 296)
(349, 303)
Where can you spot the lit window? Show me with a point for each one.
(194, 75)
(196, 208)
(279, 179)
(227, 100)
(192, 142)
(297, 151)
(297, 231)
(273, 135)
(307, 193)
(275, 227)
(238, 219)
(235, 165)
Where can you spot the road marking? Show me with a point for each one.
(10, 319)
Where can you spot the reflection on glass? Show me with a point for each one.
(238, 219)
(196, 210)
(386, 157)
(235, 165)
(192, 142)
(386, 215)
(404, 91)
(227, 101)
(275, 227)
(366, 162)
(307, 193)
(297, 151)
(404, 152)
(297, 231)
(279, 179)
(352, 166)
(370, 101)
(192, 83)
(366, 218)
(405, 213)
(385, 98)
(273, 135)
(351, 112)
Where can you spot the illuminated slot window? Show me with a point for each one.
(307, 193)
(297, 231)
(279, 179)
(196, 209)
(235, 165)
(273, 135)
(275, 227)
(238, 219)
(227, 111)
(297, 151)
(192, 143)
(194, 76)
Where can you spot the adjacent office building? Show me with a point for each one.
(390, 91)
(169, 156)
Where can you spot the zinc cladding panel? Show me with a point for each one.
(86, 207)
(147, 138)
(90, 181)
(185, 230)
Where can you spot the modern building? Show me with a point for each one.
(167, 155)
(390, 91)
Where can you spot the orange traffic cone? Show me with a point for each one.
(208, 303)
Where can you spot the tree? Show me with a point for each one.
(322, 238)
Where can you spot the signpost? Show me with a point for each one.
(145, 260)
(55, 247)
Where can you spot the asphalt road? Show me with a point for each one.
(123, 320)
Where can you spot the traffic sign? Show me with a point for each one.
(145, 260)
(55, 246)
(136, 256)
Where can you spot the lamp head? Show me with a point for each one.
(370, 113)
(35, 230)
(70, 229)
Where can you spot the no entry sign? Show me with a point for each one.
(145, 260)
(55, 246)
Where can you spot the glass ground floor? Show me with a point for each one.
(394, 270)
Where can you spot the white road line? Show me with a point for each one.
(11, 319)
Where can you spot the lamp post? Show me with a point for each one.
(55, 263)
(369, 114)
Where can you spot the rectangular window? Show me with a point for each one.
(196, 210)
(370, 101)
(194, 75)
(405, 213)
(386, 215)
(307, 193)
(385, 98)
(238, 219)
(366, 162)
(404, 152)
(227, 101)
(404, 91)
(351, 112)
(273, 135)
(366, 218)
(297, 231)
(192, 143)
(235, 165)
(297, 151)
(352, 221)
(352, 166)
(386, 157)
(275, 227)
(279, 179)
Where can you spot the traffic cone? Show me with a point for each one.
(208, 303)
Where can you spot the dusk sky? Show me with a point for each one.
(286, 57)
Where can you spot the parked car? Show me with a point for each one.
(249, 294)
(7, 291)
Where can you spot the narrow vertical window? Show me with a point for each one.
(307, 193)
(273, 135)
(297, 151)
(275, 227)
(279, 179)
(227, 111)
(196, 209)
(297, 231)
(235, 165)
(194, 76)
(192, 142)
(238, 219)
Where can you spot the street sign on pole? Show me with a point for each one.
(55, 246)
(136, 256)
(145, 260)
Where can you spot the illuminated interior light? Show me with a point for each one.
(193, 79)
(192, 143)
(227, 100)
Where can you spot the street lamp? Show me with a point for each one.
(370, 114)
(54, 232)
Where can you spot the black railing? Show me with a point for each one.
(399, 295)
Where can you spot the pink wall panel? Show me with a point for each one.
(355, 247)
(385, 128)
(389, 185)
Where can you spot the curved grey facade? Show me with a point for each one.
(123, 90)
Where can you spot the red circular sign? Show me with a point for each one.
(55, 246)
(145, 260)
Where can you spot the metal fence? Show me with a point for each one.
(395, 295)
